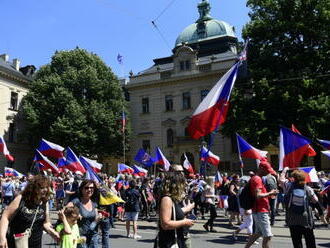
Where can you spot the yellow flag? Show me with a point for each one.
(109, 198)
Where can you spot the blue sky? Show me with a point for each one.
(33, 30)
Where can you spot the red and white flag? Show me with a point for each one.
(4, 150)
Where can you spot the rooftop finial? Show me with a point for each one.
(204, 11)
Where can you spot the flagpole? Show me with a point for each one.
(239, 155)
(124, 144)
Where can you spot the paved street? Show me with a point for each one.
(202, 239)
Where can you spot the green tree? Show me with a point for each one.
(289, 72)
(76, 101)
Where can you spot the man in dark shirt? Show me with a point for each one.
(132, 208)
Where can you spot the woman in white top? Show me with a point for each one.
(209, 200)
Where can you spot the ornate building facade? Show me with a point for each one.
(14, 82)
(164, 96)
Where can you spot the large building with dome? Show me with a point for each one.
(164, 96)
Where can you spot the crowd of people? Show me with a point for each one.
(175, 201)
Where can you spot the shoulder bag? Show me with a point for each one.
(22, 239)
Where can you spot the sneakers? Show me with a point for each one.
(130, 235)
(213, 230)
(206, 227)
(137, 236)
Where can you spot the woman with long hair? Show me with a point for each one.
(31, 206)
(172, 195)
(87, 204)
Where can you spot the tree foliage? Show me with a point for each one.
(289, 71)
(76, 101)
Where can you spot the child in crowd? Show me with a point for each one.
(68, 229)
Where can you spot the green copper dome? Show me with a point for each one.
(205, 27)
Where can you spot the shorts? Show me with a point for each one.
(132, 216)
(262, 224)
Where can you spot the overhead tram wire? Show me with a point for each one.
(153, 22)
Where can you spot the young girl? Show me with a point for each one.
(68, 229)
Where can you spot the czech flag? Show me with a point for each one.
(212, 111)
(207, 156)
(45, 162)
(293, 147)
(223, 201)
(123, 168)
(325, 143)
(95, 166)
(248, 151)
(10, 172)
(50, 149)
(139, 171)
(326, 153)
(187, 165)
(72, 162)
(217, 179)
(161, 159)
(311, 175)
(90, 173)
(123, 121)
(311, 152)
(4, 150)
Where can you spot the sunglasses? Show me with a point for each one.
(92, 188)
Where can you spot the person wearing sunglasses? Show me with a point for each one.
(87, 205)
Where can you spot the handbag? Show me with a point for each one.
(22, 239)
(175, 245)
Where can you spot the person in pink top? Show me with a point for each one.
(260, 209)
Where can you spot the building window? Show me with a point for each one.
(145, 105)
(146, 145)
(14, 101)
(11, 132)
(169, 103)
(170, 137)
(186, 132)
(204, 94)
(186, 100)
(185, 65)
(187, 62)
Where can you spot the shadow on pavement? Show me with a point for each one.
(324, 245)
(228, 240)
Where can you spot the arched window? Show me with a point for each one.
(170, 137)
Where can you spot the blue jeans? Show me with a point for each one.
(105, 228)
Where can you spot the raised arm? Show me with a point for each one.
(7, 215)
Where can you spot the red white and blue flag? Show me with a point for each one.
(207, 156)
(245, 150)
(139, 171)
(212, 111)
(72, 162)
(95, 166)
(325, 143)
(218, 179)
(293, 147)
(123, 121)
(161, 159)
(10, 172)
(45, 162)
(311, 175)
(187, 165)
(123, 168)
(326, 153)
(311, 152)
(90, 173)
(50, 149)
(4, 150)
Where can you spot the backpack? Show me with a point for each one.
(130, 201)
(296, 200)
(270, 183)
(246, 199)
